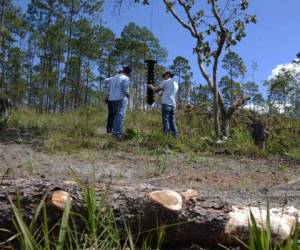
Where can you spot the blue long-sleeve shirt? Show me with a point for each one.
(118, 87)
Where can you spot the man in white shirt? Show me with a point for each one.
(169, 88)
(118, 87)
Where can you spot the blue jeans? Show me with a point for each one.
(116, 117)
(169, 120)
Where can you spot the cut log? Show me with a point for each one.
(195, 220)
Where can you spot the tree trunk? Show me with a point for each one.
(216, 112)
(2, 15)
(78, 87)
(187, 218)
(226, 114)
(225, 120)
(87, 84)
(64, 89)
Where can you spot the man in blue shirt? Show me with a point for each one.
(169, 88)
(118, 87)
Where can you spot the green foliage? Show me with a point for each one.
(182, 71)
(241, 143)
(261, 239)
(72, 132)
(234, 65)
(284, 137)
(284, 91)
(131, 133)
(56, 55)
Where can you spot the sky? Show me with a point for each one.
(273, 41)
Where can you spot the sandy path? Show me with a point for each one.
(239, 181)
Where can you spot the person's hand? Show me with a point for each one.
(150, 86)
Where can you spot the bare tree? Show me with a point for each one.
(215, 28)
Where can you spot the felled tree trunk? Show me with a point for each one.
(187, 217)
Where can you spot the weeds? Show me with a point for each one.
(72, 132)
(260, 238)
(155, 163)
(160, 164)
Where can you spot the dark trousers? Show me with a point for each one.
(116, 116)
(112, 112)
(169, 120)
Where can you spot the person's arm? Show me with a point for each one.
(106, 80)
(125, 87)
(107, 87)
(156, 89)
(107, 83)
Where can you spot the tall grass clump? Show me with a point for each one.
(241, 143)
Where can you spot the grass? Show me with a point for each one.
(74, 132)
(260, 238)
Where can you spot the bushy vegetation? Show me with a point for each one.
(70, 132)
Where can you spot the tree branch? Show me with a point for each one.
(179, 19)
(204, 73)
(220, 43)
(237, 104)
(217, 16)
(189, 16)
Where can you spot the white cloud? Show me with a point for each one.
(288, 66)
(262, 109)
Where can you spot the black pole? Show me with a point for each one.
(150, 80)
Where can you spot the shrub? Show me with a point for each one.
(78, 130)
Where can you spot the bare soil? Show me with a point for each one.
(236, 180)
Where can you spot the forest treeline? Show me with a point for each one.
(55, 54)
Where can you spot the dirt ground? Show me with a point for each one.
(236, 180)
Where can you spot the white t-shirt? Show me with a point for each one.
(170, 89)
(118, 87)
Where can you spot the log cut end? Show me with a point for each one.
(167, 198)
(59, 198)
